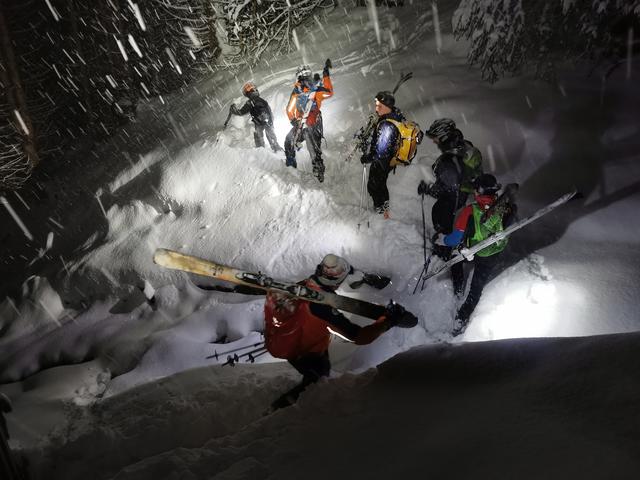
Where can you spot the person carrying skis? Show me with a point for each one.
(384, 144)
(475, 223)
(304, 114)
(454, 170)
(300, 331)
(261, 116)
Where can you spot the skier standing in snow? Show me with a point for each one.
(299, 331)
(475, 223)
(455, 169)
(384, 144)
(261, 116)
(304, 114)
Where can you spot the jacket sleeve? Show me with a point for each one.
(357, 334)
(335, 319)
(291, 106)
(327, 91)
(447, 178)
(245, 108)
(459, 227)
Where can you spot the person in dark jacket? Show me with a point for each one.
(261, 116)
(452, 184)
(300, 331)
(384, 144)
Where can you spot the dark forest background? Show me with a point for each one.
(73, 71)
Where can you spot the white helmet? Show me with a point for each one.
(304, 71)
(332, 271)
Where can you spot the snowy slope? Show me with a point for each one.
(174, 180)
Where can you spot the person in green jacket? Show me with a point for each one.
(473, 225)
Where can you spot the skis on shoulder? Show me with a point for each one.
(503, 234)
(187, 263)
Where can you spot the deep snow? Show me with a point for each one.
(94, 363)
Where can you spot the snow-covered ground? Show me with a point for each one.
(108, 384)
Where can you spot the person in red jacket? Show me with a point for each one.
(304, 114)
(300, 331)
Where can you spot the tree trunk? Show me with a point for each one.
(15, 93)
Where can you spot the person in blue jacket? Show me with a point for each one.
(384, 144)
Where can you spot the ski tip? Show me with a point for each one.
(577, 195)
(160, 255)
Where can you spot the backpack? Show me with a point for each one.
(410, 138)
(471, 162)
(290, 329)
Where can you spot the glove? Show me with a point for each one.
(233, 109)
(423, 188)
(327, 66)
(467, 254)
(366, 158)
(441, 251)
(397, 316)
(295, 122)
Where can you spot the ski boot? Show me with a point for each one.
(461, 322)
(291, 162)
(384, 211)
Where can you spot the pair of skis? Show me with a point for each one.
(260, 281)
(457, 258)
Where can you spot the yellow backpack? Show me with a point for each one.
(410, 138)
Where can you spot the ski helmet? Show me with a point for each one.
(441, 129)
(386, 98)
(304, 72)
(332, 271)
(249, 87)
(486, 184)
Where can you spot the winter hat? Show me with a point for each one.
(332, 271)
(486, 184)
(249, 87)
(386, 98)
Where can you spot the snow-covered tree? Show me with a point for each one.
(18, 140)
(254, 27)
(509, 36)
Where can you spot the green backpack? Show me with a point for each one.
(471, 166)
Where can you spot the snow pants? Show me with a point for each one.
(313, 367)
(265, 129)
(312, 136)
(377, 186)
(482, 269)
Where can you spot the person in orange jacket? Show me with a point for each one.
(304, 114)
(300, 331)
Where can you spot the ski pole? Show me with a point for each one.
(360, 208)
(216, 354)
(251, 356)
(427, 261)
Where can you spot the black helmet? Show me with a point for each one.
(441, 129)
(332, 271)
(486, 184)
(386, 98)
